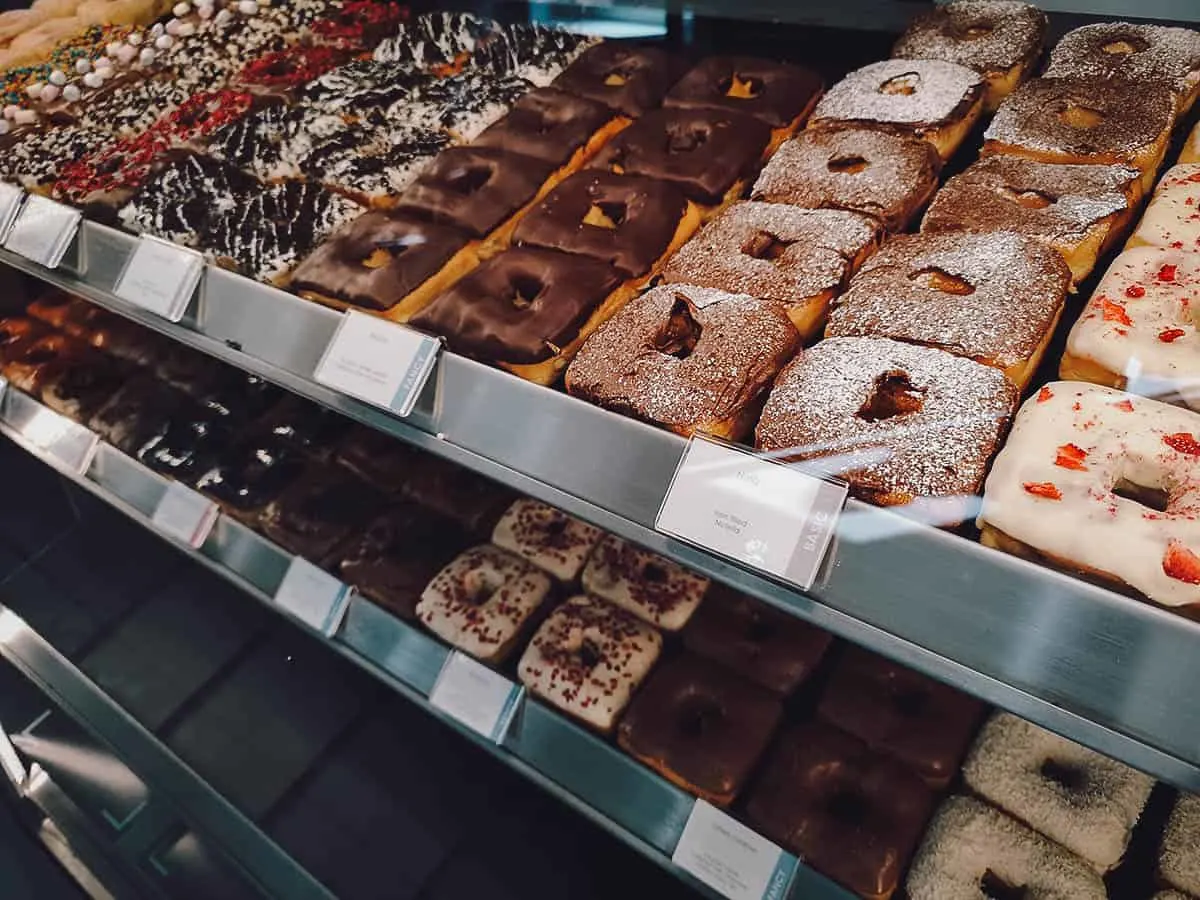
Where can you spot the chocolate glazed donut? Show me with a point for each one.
(626, 78)
(779, 94)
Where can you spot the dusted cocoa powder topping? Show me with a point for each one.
(984, 35)
(917, 93)
(888, 176)
(1133, 52)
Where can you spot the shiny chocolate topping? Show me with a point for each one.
(775, 93)
(630, 79)
(547, 124)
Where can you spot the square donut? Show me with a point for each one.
(935, 100)
(889, 177)
(1172, 218)
(246, 477)
(483, 601)
(319, 511)
(798, 258)
(686, 358)
(588, 658)
(780, 94)
(526, 309)
(884, 409)
(547, 537)
(1178, 861)
(708, 153)
(628, 221)
(622, 76)
(700, 727)
(650, 586)
(994, 297)
(555, 126)
(847, 811)
(1079, 210)
(1138, 332)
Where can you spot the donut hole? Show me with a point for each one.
(1029, 199)
(468, 179)
(606, 214)
(589, 654)
(764, 245)
(846, 165)
(687, 140)
(654, 573)
(940, 280)
(975, 31)
(697, 716)
(1125, 46)
(383, 252)
(1150, 496)
(554, 530)
(1076, 115)
(904, 85)
(893, 395)
(1065, 775)
(996, 888)
(848, 807)
(739, 88)
(525, 291)
(677, 337)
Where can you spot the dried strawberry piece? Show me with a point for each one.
(1167, 273)
(1114, 312)
(1071, 456)
(1047, 489)
(1169, 335)
(1124, 406)
(1044, 394)
(1135, 291)
(1181, 563)
(1183, 442)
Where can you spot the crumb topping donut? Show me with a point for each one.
(1086, 801)
(905, 421)
(850, 813)
(798, 258)
(625, 77)
(700, 727)
(887, 176)
(1133, 52)
(547, 537)
(1105, 484)
(1179, 853)
(1172, 219)
(935, 100)
(689, 359)
(588, 658)
(1000, 39)
(1078, 210)
(483, 600)
(994, 297)
(654, 588)
(1139, 331)
(779, 94)
(973, 850)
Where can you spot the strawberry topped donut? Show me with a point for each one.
(1102, 484)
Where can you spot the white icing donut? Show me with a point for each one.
(588, 658)
(482, 600)
(1141, 326)
(1173, 217)
(1179, 855)
(969, 842)
(1076, 796)
(658, 590)
(547, 537)
(1052, 487)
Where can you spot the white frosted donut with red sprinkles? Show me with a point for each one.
(1101, 482)
(1173, 217)
(1139, 332)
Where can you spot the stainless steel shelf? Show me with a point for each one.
(631, 802)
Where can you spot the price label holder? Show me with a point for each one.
(11, 198)
(43, 231)
(732, 859)
(313, 596)
(185, 515)
(160, 277)
(67, 442)
(378, 361)
(765, 515)
(475, 696)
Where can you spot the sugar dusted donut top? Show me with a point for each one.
(1173, 217)
(1134, 52)
(986, 35)
(1051, 487)
(923, 93)
(1179, 855)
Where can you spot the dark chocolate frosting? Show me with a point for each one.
(317, 512)
(547, 124)
(627, 78)
(189, 445)
(384, 461)
(136, 413)
(304, 426)
(251, 475)
(82, 388)
(773, 92)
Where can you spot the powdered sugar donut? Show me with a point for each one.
(1173, 217)
(1179, 854)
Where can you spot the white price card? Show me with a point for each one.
(732, 859)
(43, 231)
(160, 277)
(474, 695)
(313, 596)
(750, 509)
(11, 198)
(378, 361)
(185, 515)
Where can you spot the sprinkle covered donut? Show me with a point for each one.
(1172, 219)
(658, 590)
(547, 537)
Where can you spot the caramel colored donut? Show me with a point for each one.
(884, 409)
(650, 586)
(1173, 217)
(630, 79)
(1104, 484)
(797, 258)
(34, 365)
(1131, 52)
(934, 100)
(17, 333)
(1000, 39)
(700, 727)
(1085, 120)
(482, 602)
(1080, 211)
(319, 511)
(850, 813)
(686, 358)
(918, 721)
(1076, 796)
(53, 307)
(994, 297)
(547, 537)
(973, 850)
(1179, 853)
(889, 177)
(588, 658)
